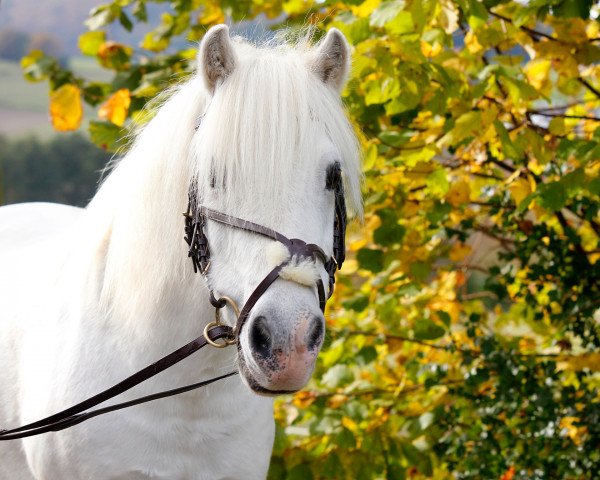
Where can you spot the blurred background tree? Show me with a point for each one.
(464, 339)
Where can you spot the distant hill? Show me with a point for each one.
(64, 20)
(61, 18)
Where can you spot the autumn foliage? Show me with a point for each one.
(464, 339)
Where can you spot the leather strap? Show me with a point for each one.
(82, 417)
(295, 245)
(73, 415)
(243, 224)
(254, 296)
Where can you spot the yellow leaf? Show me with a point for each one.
(430, 49)
(519, 190)
(211, 15)
(365, 9)
(349, 424)
(357, 244)
(66, 111)
(572, 431)
(537, 72)
(116, 107)
(459, 251)
(471, 42)
(337, 400)
(458, 194)
(30, 59)
(350, 266)
(593, 30)
(590, 361)
(304, 399)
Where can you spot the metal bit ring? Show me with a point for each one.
(226, 342)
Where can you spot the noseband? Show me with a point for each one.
(196, 220)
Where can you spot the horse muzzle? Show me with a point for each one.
(278, 359)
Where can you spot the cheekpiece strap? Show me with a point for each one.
(196, 239)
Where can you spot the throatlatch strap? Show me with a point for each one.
(70, 416)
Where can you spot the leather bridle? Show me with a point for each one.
(199, 252)
(215, 333)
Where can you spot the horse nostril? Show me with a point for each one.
(260, 337)
(315, 334)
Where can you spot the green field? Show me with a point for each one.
(18, 94)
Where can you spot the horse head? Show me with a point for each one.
(274, 148)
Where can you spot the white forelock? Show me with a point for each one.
(256, 137)
(258, 133)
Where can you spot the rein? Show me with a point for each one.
(215, 333)
(76, 414)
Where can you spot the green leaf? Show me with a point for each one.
(367, 355)
(437, 182)
(139, 11)
(358, 304)
(554, 195)
(386, 12)
(401, 24)
(381, 91)
(417, 458)
(509, 148)
(467, 125)
(395, 138)
(573, 8)
(125, 21)
(107, 135)
(388, 235)
(426, 329)
(96, 92)
(37, 66)
(300, 472)
(420, 270)
(370, 259)
(444, 317)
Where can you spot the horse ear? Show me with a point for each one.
(216, 59)
(331, 59)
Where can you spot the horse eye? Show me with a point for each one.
(333, 176)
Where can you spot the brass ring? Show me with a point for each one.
(232, 304)
(212, 342)
(226, 342)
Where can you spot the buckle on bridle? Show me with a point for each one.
(217, 323)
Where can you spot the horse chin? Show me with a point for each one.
(253, 384)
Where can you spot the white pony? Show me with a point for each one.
(89, 296)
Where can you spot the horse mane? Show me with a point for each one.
(254, 141)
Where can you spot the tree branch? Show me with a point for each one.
(581, 117)
(535, 34)
(392, 391)
(396, 337)
(589, 86)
